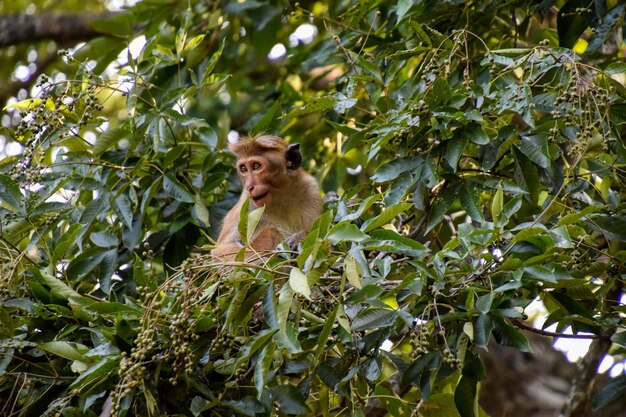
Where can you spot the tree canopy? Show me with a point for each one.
(472, 156)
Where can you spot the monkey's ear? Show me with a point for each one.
(293, 156)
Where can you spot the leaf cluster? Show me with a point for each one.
(476, 175)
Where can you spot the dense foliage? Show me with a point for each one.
(479, 165)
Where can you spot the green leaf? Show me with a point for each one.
(373, 318)
(200, 404)
(507, 335)
(612, 391)
(10, 194)
(388, 214)
(24, 105)
(526, 175)
(528, 232)
(393, 169)
(193, 43)
(208, 70)
(345, 232)
(363, 207)
(123, 208)
(254, 217)
(454, 150)
(255, 343)
(56, 285)
(299, 282)
(200, 212)
(470, 201)
(242, 227)
(113, 308)
(465, 397)
(561, 237)
(312, 106)
(176, 189)
(108, 139)
(483, 325)
(95, 375)
(541, 273)
(67, 240)
(578, 216)
(615, 68)
(571, 24)
(67, 350)
(613, 225)
(85, 262)
(208, 136)
(106, 269)
(104, 239)
(325, 333)
(510, 208)
(391, 241)
(618, 338)
(370, 68)
(285, 298)
(400, 188)
(439, 208)
(269, 306)
(290, 400)
(496, 205)
(570, 305)
(496, 183)
(402, 7)
(234, 307)
(165, 54)
(263, 366)
(476, 133)
(265, 122)
(608, 25)
(352, 271)
(484, 302)
(343, 103)
(535, 147)
(346, 130)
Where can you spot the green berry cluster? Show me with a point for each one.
(450, 359)
(8, 270)
(420, 341)
(223, 341)
(133, 369)
(60, 111)
(180, 352)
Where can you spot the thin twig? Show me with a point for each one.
(519, 324)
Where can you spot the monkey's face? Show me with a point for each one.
(261, 178)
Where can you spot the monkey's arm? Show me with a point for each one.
(229, 242)
(265, 240)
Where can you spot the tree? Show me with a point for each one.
(479, 166)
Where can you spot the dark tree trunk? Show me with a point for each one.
(19, 28)
(538, 384)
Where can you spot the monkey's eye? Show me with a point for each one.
(256, 166)
(243, 169)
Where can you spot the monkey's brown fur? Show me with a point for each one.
(270, 172)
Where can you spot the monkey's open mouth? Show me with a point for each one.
(259, 197)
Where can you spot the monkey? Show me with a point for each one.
(271, 174)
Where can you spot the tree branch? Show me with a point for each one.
(520, 325)
(20, 28)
